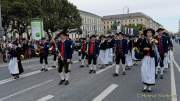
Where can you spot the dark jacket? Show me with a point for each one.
(121, 44)
(96, 49)
(67, 49)
(146, 44)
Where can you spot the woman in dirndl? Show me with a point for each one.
(102, 58)
(109, 50)
(148, 62)
(13, 64)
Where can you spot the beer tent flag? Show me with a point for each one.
(37, 29)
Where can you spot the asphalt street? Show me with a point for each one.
(35, 85)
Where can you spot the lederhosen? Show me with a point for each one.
(65, 52)
(121, 50)
(92, 52)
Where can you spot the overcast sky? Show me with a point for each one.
(166, 12)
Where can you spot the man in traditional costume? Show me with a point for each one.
(121, 50)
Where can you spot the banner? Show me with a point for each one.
(37, 29)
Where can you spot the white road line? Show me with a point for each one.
(102, 70)
(24, 90)
(106, 92)
(24, 75)
(173, 84)
(177, 66)
(46, 98)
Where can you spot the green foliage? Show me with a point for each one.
(56, 14)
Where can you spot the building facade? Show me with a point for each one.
(131, 18)
(91, 24)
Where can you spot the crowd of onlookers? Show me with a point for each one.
(28, 49)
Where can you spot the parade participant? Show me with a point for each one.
(83, 52)
(53, 51)
(19, 57)
(129, 61)
(13, 64)
(64, 58)
(102, 58)
(93, 51)
(120, 54)
(167, 59)
(162, 49)
(148, 62)
(43, 54)
(110, 46)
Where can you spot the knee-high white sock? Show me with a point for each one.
(67, 76)
(162, 70)
(62, 76)
(123, 67)
(82, 62)
(94, 67)
(117, 69)
(91, 67)
(46, 66)
(54, 63)
(156, 70)
(69, 68)
(42, 65)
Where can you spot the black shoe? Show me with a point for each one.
(115, 75)
(161, 77)
(42, 69)
(45, 70)
(90, 71)
(94, 71)
(61, 82)
(124, 73)
(87, 65)
(66, 83)
(149, 91)
(82, 66)
(156, 76)
(144, 90)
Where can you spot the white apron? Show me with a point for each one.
(102, 58)
(133, 55)
(109, 53)
(13, 66)
(148, 70)
(129, 61)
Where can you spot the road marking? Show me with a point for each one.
(106, 92)
(23, 76)
(46, 98)
(27, 74)
(25, 90)
(102, 70)
(173, 84)
(177, 66)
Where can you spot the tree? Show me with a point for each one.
(56, 14)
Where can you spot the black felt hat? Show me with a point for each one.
(149, 29)
(160, 29)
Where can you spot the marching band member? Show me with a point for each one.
(110, 46)
(64, 58)
(83, 52)
(93, 51)
(120, 53)
(43, 54)
(163, 49)
(129, 62)
(53, 51)
(148, 62)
